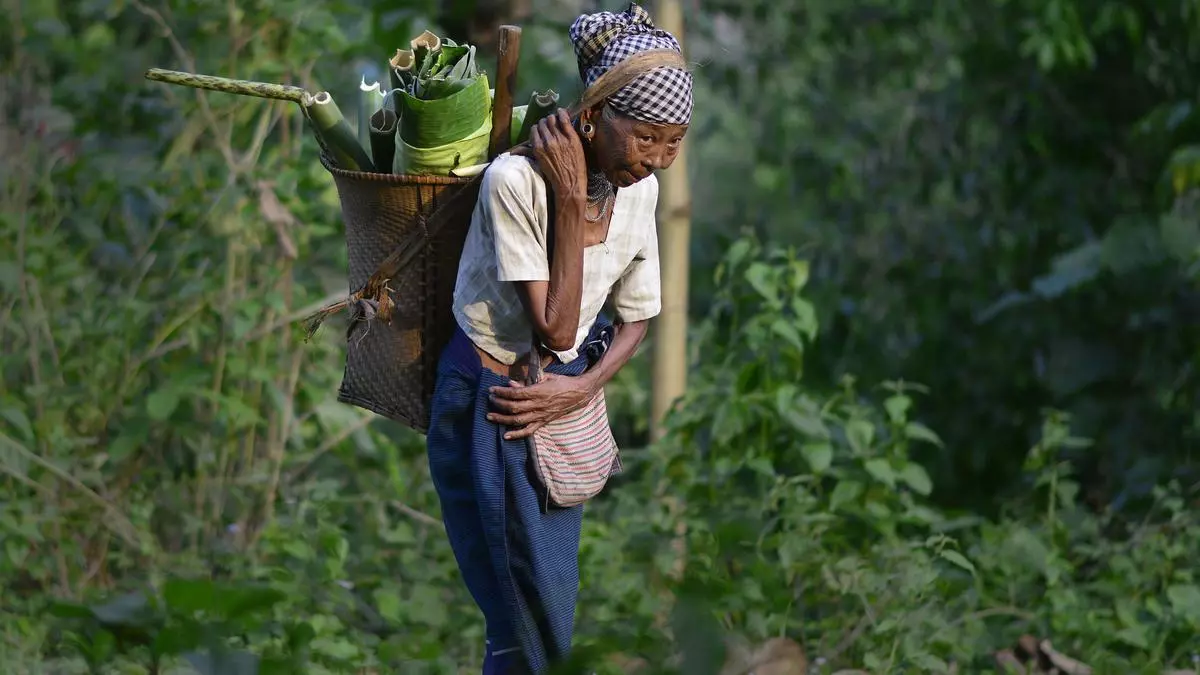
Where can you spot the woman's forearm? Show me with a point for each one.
(564, 296)
(623, 347)
(553, 306)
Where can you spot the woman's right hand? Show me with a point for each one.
(558, 150)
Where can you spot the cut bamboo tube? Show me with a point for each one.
(340, 139)
(540, 105)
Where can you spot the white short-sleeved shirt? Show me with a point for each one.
(507, 242)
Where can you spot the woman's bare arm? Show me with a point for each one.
(526, 408)
(553, 306)
(624, 346)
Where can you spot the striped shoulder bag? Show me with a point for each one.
(573, 456)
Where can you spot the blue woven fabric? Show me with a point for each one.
(518, 558)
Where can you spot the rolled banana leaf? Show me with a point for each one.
(370, 99)
(540, 105)
(400, 69)
(335, 133)
(468, 151)
(433, 123)
(514, 129)
(456, 73)
(383, 139)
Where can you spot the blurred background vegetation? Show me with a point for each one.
(945, 342)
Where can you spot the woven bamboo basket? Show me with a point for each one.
(404, 237)
(422, 221)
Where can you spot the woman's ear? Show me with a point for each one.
(587, 124)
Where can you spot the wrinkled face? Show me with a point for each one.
(628, 150)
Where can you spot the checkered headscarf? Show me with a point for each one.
(604, 39)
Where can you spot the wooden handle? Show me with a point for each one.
(508, 54)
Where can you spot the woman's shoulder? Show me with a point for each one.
(509, 172)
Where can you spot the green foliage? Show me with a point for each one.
(996, 201)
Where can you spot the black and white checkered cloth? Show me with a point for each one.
(604, 39)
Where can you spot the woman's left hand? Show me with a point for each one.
(529, 407)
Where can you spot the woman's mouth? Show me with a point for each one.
(628, 177)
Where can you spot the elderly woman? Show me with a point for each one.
(563, 225)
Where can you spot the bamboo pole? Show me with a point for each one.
(509, 54)
(280, 92)
(332, 130)
(674, 230)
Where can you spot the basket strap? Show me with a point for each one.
(426, 227)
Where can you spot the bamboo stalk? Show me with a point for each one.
(370, 99)
(333, 132)
(340, 140)
(279, 92)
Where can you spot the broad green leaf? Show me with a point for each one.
(958, 559)
(784, 329)
(785, 398)
(177, 638)
(64, 609)
(861, 435)
(729, 422)
(133, 435)
(915, 476)
(761, 465)
(190, 595)
(427, 606)
(818, 455)
(807, 421)
(881, 470)
(738, 252)
(1185, 600)
(389, 604)
(897, 407)
(18, 419)
(919, 432)
(1134, 636)
(806, 317)
(845, 492)
(800, 270)
(131, 609)
(761, 278)
(226, 600)
(161, 403)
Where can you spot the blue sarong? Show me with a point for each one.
(518, 558)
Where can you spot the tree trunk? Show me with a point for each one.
(674, 225)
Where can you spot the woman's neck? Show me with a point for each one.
(598, 185)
